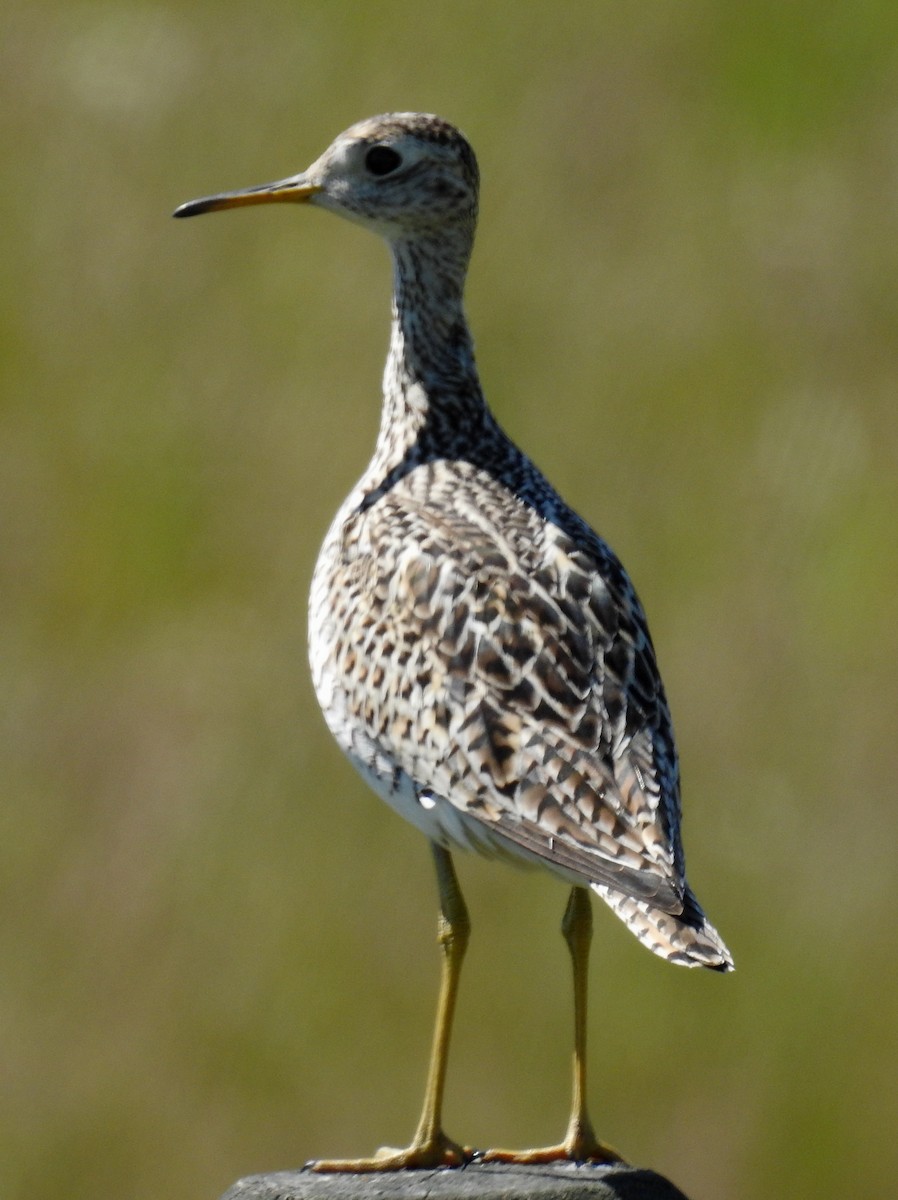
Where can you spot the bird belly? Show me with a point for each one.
(434, 815)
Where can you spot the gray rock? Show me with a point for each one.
(478, 1181)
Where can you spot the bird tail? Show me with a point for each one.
(686, 938)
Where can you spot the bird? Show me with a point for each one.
(478, 652)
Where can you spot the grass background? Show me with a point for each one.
(217, 949)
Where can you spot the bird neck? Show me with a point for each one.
(431, 387)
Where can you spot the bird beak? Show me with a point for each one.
(296, 190)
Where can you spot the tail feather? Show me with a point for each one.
(686, 938)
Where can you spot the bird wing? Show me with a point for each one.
(530, 694)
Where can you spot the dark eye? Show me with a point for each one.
(381, 160)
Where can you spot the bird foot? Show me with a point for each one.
(573, 1149)
(439, 1151)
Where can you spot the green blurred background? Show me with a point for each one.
(217, 949)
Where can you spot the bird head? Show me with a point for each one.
(403, 175)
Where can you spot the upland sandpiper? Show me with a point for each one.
(478, 651)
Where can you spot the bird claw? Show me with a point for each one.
(573, 1151)
(435, 1153)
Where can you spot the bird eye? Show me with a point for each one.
(381, 160)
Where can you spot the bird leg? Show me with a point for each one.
(580, 1142)
(430, 1146)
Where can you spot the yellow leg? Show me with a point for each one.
(430, 1146)
(580, 1142)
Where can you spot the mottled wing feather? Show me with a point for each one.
(560, 734)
